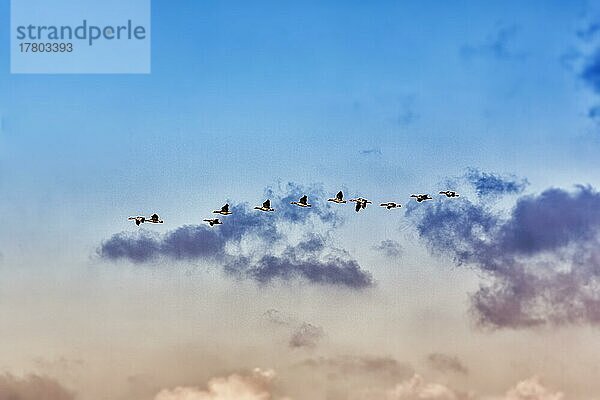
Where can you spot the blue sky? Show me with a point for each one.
(382, 99)
(241, 96)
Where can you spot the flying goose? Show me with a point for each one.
(449, 193)
(339, 198)
(266, 206)
(213, 221)
(421, 197)
(303, 202)
(224, 210)
(390, 204)
(360, 203)
(141, 219)
(154, 219)
(138, 220)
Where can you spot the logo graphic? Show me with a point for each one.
(80, 36)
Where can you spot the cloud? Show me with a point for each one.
(32, 387)
(446, 363)
(274, 256)
(416, 388)
(303, 335)
(389, 248)
(184, 243)
(276, 317)
(306, 336)
(541, 262)
(284, 194)
(256, 386)
(347, 365)
(498, 44)
(489, 184)
(374, 151)
(590, 66)
(589, 32)
(591, 72)
(307, 260)
(532, 389)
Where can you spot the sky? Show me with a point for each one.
(491, 295)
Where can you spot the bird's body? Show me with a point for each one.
(361, 203)
(266, 206)
(224, 210)
(421, 197)
(213, 221)
(390, 204)
(449, 193)
(339, 198)
(303, 202)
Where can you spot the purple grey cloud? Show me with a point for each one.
(542, 260)
(312, 259)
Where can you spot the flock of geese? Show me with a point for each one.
(361, 204)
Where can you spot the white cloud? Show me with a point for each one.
(532, 389)
(256, 386)
(417, 389)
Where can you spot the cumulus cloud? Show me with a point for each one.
(542, 262)
(389, 248)
(312, 259)
(446, 363)
(32, 387)
(532, 389)
(416, 388)
(256, 386)
(306, 336)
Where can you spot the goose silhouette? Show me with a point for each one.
(339, 198)
(303, 202)
(266, 206)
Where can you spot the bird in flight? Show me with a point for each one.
(390, 204)
(303, 202)
(213, 221)
(449, 193)
(224, 210)
(421, 197)
(360, 203)
(339, 198)
(141, 219)
(266, 206)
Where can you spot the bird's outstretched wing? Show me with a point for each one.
(225, 208)
(267, 204)
(303, 200)
(340, 195)
(358, 206)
